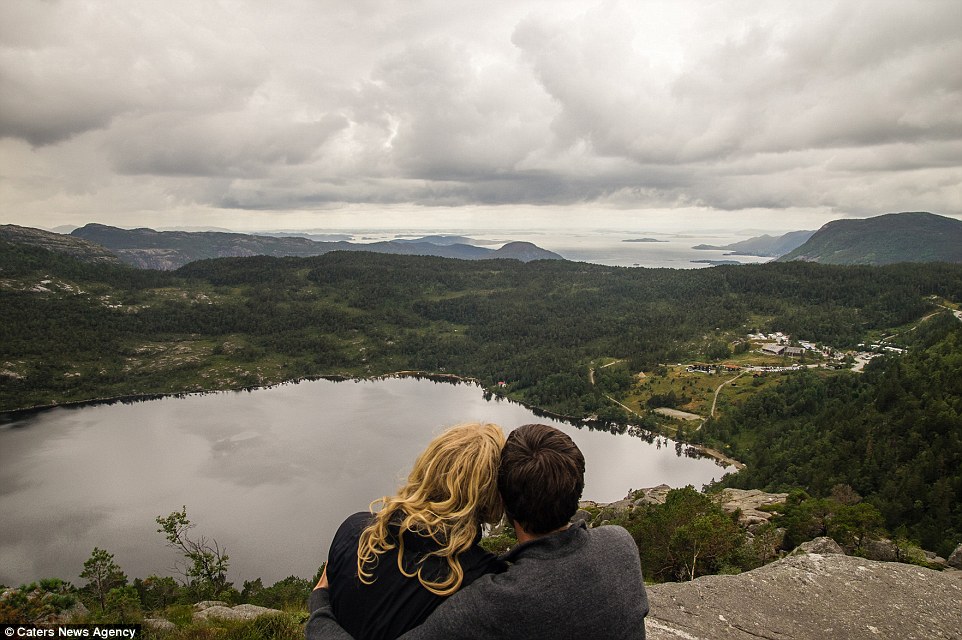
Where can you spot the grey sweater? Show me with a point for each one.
(579, 583)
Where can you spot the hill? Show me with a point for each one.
(886, 239)
(166, 250)
(58, 243)
(764, 245)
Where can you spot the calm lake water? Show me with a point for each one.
(269, 473)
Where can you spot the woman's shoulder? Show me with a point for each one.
(350, 530)
(360, 519)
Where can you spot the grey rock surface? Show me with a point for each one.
(653, 495)
(581, 516)
(811, 597)
(823, 546)
(42, 600)
(749, 502)
(240, 612)
(882, 549)
(159, 624)
(955, 560)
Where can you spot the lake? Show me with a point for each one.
(268, 473)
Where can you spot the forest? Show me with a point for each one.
(74, 331)
(99, 331)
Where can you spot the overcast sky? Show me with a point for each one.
(448, 114)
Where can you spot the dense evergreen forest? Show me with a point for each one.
(98, 331)
(72, 331)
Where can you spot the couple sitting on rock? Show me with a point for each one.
(415, 568)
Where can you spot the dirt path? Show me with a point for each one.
(719, 457)
(957, 314)
(718, 390)
(591, 372)
(916, 325)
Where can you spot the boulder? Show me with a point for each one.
(77, 612)
(159, 624)
(653, 495)
(748, 503)
(822, 546)
(39, 600)
(810, 597)
(240, 612)
(934, 560)
(882, 549)
(955, 560)
(207, 604)
(581, 516)
(614, 510)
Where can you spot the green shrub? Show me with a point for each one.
(33, 602)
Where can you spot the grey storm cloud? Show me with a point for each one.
(853, 106)
(237, 144)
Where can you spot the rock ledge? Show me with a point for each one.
(811, 597)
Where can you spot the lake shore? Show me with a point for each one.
(18, 414)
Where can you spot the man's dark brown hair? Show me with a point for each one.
(541, 477)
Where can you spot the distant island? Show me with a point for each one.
(765, 246)
(644, 240)
(444, 241)
(716, 263)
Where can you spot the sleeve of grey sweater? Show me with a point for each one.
(460, 617)
(322, 625)
(451, 620)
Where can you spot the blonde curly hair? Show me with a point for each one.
(449, 493)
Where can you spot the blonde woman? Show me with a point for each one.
(388, 570)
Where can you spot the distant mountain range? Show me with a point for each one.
(765, 245)
(894, 237)
(150, 249)
(884, 239)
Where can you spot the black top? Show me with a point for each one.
(393, 603)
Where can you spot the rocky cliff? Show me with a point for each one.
(812, 596)
(815, 592)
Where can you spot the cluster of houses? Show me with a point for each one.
(782, 350)
(778, 344)
(878, 348)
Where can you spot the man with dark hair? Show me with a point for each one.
(563, 580)
(541, 477)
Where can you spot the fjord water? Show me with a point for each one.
(268, 473)
(610, 247)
